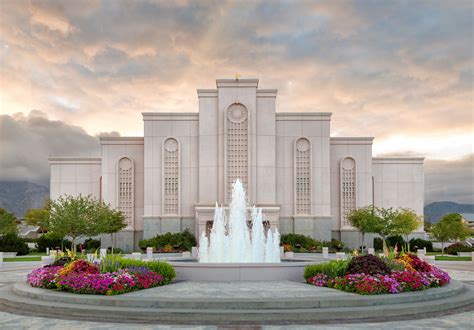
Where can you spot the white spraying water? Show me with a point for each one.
(203, 249)
(231, 240)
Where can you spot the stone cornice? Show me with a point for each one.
(170, 116)
(319, 116)
(272, 93)
(242, 82)
(129, 140)
(351, 140)
(398, 160)
(74, 160)
(207, 93)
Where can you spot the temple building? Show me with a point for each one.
(306, 181)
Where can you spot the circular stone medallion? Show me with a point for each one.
(125, 164)
(302, 145)
(237, 113)
(171, 145)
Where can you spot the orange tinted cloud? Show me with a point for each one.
(401, 72)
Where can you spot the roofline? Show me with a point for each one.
(398, 160)
(344, 140)
(320, 116)
(74, 160)
(130, 140)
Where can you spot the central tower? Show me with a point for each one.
(237, 139)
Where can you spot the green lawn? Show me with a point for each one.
(35, 254)
(453, 258)
(27, 258)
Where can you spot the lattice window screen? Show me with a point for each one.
(126, 192)
(171, 177)
(302, 176)
(348, 189)
(236, 147)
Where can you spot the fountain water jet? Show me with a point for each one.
(231, 240)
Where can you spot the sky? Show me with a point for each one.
(401, 71)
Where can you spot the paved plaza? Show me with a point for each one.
(16, 272)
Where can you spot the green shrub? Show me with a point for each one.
(368, 264)
(300, 243)
(183, 241)
(396, 240)
(334, 245)
(332, 268)
(51, 242)
(458, 247)
(160, 267)
(378, 244)
(13, 243)
(91, 244)
(418, 243)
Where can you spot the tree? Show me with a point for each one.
(450, 227)
(427, 225)
(387, 223)
(111, 222)
(406, 222)
(365, 220)
(39, 217)
(7, 223)
(82, 216)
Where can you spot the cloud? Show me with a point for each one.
(26, 142)
(450, 180)
(399, 71)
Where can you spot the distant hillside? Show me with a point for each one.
(436, 210)
(18, 196)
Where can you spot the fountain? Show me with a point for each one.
(237, 251)
(231, 240)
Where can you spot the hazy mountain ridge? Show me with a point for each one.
(435, 211)
(19, 196)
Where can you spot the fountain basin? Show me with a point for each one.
(191, 270)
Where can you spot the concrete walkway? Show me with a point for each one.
(17, 273)
(463, 320)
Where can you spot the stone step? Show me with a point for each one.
(317, 301)
(13, 302)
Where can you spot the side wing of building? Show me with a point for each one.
(75, 176)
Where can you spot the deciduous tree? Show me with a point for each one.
(7, 223)
(365, 220)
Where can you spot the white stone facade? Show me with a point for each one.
(305, 180)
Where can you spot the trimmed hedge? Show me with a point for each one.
(91, 244)
(420, 244)
(183, 241)
(457, 247)
(332, 268)
(13, 243)
(298, 241)
(46, 241)
(334, 244)
(396, 240)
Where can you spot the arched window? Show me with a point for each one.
(348, 189)
(171, 164)
(302, 168)
(126, 191)
(236, 147)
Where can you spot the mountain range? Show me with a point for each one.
(435, 211)
(19, 196)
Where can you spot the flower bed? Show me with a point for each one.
(83, 277)
(417, 275)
